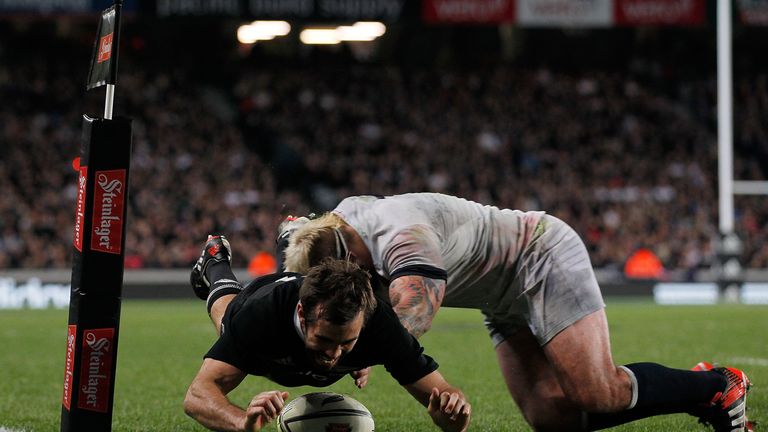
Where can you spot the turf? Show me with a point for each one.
(161, 345)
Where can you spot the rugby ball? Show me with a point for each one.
(325, 412)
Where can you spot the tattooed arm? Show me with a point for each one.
(416, 300)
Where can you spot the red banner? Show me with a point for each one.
(69, 366)
(660, 12)
(96, 370)
(468, 11)
(108, 202)
(80, 211)
(105, 48)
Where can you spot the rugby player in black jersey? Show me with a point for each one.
(305, 330)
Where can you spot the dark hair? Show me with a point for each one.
(341, 287)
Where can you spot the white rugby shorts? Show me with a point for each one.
(554, 286)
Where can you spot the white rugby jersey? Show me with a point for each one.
(473, 246)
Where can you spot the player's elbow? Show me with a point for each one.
(189, 406)
(191, 403)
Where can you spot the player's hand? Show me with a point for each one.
(449, 410)
(264, 408)
(361, 377)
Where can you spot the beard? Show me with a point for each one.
(320, 362)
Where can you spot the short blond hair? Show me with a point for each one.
(312, 242)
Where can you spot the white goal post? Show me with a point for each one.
(728, 187)
(730, 271)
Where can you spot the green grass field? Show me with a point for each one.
(162, 343)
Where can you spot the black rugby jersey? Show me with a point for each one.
(259, 338)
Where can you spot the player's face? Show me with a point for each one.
(327, 343)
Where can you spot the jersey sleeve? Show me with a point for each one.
(414, 251)
(224, 350)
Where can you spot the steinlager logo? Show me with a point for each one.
(70, 364)
(108, 202)
(96, 370)
(80, 212)
(105, 48)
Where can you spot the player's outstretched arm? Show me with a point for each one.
(206, 400)
(446, 404)
(416, 300)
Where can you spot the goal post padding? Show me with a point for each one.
(97, 275)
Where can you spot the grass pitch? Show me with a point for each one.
(162, 343)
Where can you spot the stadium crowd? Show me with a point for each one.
(627, 159)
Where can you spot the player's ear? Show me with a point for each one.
(300, 311)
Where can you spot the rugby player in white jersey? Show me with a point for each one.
(530, 275)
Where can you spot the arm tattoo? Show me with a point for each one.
(416, 300)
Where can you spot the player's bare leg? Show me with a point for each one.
(581, 359)
(218, 308)
(533, 384)
(611, 395)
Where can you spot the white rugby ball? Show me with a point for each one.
(325, 412)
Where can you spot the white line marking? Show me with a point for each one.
(751, 361)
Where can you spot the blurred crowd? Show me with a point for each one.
(628, 161)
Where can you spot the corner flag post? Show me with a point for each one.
(98, 249)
